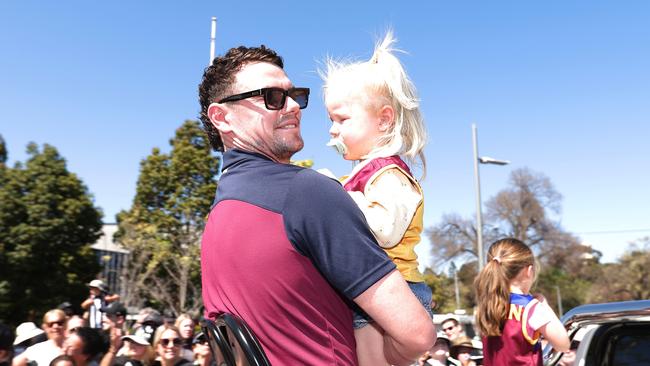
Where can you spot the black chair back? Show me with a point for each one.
(233, 343)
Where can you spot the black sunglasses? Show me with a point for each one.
(274, 98)
(60, 323)
(174, 342)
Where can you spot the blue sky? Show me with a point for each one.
(560, 87)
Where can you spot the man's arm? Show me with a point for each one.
(408, 329)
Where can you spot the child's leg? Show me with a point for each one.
(370, 345)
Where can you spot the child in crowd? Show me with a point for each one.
(376, 120)
(510, 319)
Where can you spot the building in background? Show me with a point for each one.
(112, 257)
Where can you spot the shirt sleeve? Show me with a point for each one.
(389, 203)
(324, 224)
(541, 316)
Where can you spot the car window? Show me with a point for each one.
(631, 350)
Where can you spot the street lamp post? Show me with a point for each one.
(213, 35)
(477, 186)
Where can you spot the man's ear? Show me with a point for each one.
(386, 117)
(217, 115)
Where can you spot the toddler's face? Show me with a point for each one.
(353, 122)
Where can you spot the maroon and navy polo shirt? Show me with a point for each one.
(286, 249)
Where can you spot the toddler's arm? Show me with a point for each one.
(389, 203)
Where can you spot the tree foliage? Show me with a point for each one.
(47, 224)
(627, 279)
(442, 288)
(163, 228)
(3, 152)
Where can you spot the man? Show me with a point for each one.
(286, 248)
(98, 298)
(452, 328)
(84, 345)
(115, 316)
(44, 352)
(6, 345)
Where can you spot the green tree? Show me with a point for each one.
(164, 225)
(628, 278)
(442, 288)
(3, 152)
(47, 224)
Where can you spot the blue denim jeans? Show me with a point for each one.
(421, 291)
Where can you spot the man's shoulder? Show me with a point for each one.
(315, 180)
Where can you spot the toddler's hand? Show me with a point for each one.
(326, 172)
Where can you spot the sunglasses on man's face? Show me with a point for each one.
(58, 322)
(274, 98)
(173, 341)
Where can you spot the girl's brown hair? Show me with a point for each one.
(505, 259)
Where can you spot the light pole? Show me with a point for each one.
(477, 186)
(559, 301)
(213, 35)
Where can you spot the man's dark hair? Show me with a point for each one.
(218, 79)
(93, 341)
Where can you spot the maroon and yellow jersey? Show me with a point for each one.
(519, 340)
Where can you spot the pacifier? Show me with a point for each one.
(338, 145)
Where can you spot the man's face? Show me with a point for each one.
(251, 126)
(451, 330)
(54, 327)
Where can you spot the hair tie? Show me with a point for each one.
(497, 259)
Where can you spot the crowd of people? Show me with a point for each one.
(102, 336)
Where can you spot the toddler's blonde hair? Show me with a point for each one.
(382, 81)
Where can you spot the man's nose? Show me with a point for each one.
(291, 105)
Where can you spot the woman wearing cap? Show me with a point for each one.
(201, 349)
(461, 351)
(138, 351)
(167, 343)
